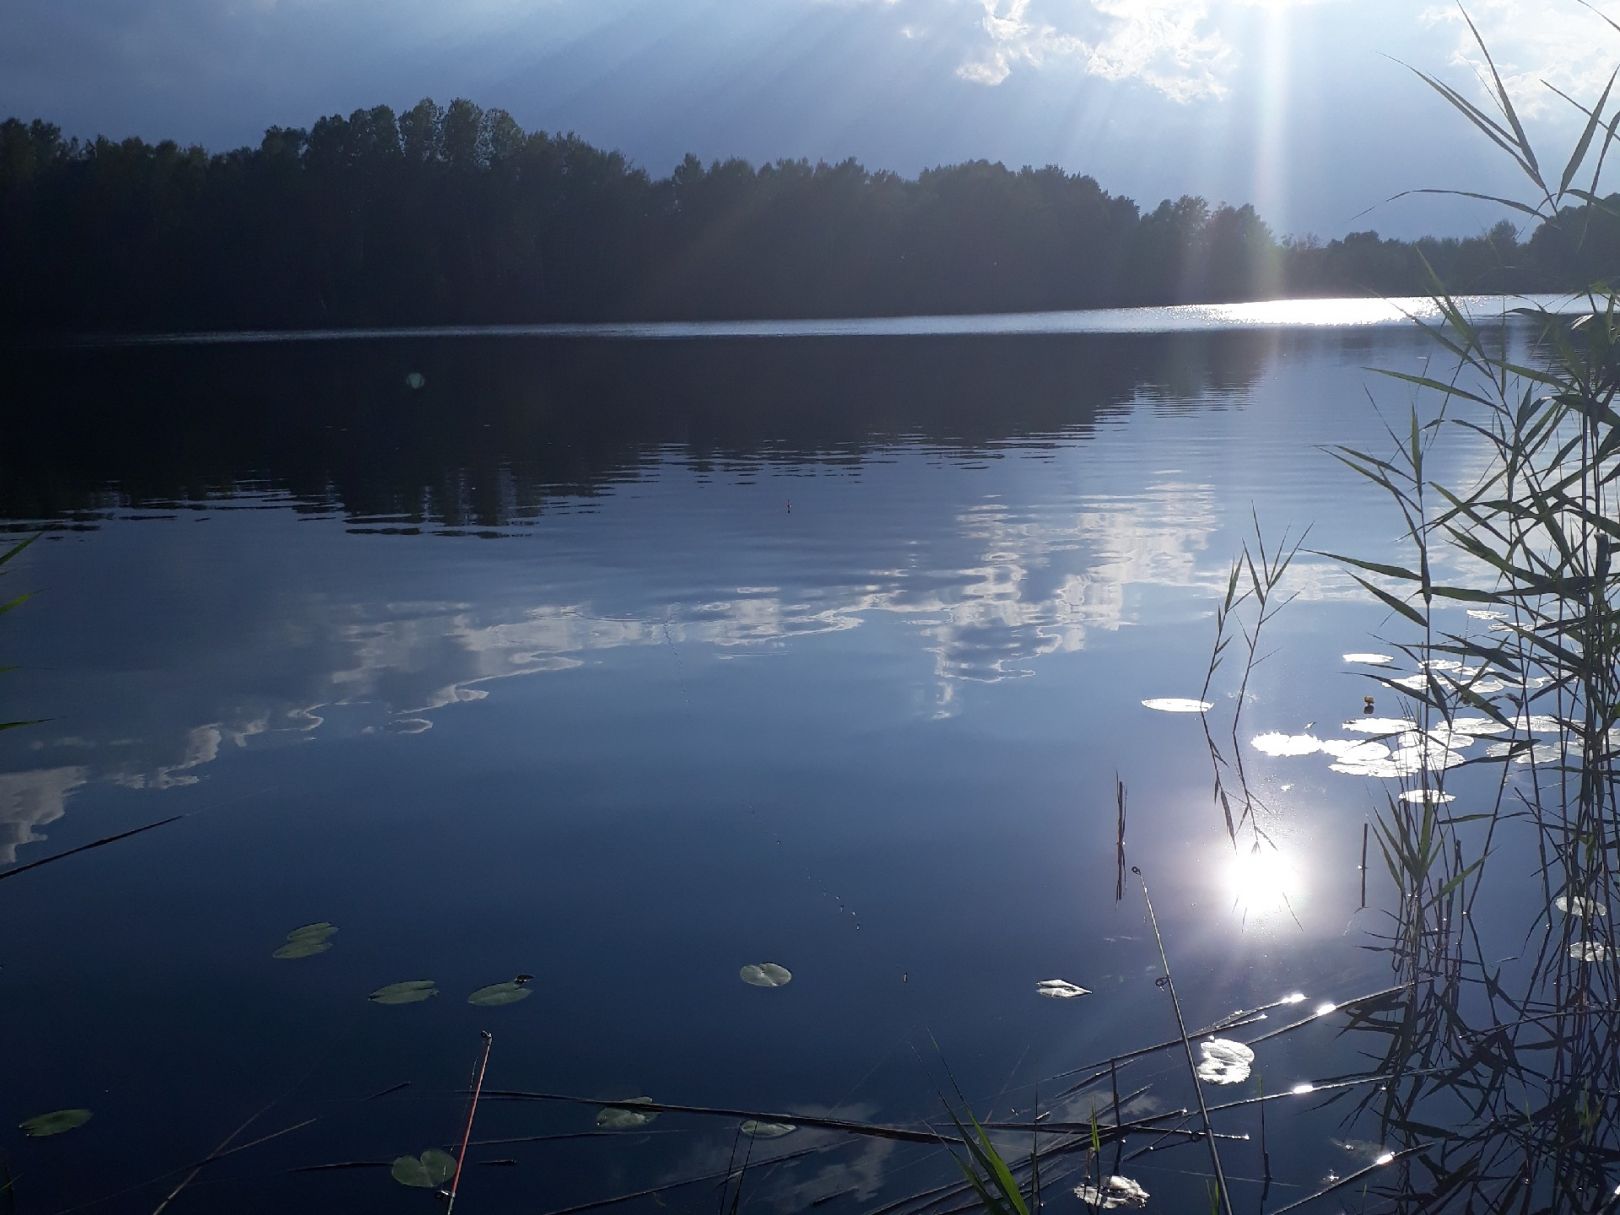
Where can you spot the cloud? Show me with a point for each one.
(1172, 46)
(1164, 44)
(1534, 44)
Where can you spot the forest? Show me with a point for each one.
(456, 215)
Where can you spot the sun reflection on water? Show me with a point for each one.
(1263, 882)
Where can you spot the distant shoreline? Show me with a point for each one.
(455, 216)
(1355, 312)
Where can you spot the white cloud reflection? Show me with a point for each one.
(29, 800)
(999, 589)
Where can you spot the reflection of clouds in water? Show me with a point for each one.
(982, 623)
(202, 747)
(32, 799)
(1014, 609)
(990, 595)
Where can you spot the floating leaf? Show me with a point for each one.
(767, 1130)
(1479, 725)
(307, 941)
(1588, 951)
(54, 1123)
(1224, 1062)
(1580, 906)
(1522, 753)
(306, 948)
(1060, 989)
(415, 379)
(411, 991)
(1379, 725)
(1276, 743)
(1114, 1193)
(611, 1118)
(1539, 723)
(765, 974)
(496, 994)
(432, 1168)
(1177, 704)
(1371, 660)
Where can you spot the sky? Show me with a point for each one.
(1309, 109)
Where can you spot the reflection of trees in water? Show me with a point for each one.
(501, 428)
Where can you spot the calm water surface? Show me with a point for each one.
(623, 664)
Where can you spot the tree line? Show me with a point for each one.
(455, 214)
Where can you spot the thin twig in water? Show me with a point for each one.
(1192, 1067)
(472, 1112)
(109, 839)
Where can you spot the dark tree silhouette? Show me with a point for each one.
(457, 215)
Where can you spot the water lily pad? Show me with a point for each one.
(509, 992)
(611, 1118)
(1578, 905)
(1371, 660)
(1588, 951)
(1379, 725)
(307, 941)
(1418, 797)
(54, 1123)
(767, 1130)
(1277, 743)
(306, 948)
(1479, 725)
(1224, 1061)
(432, 1168)
(411, 991)
(1357, 758)
(1177, 704)
(1060, 989)
(1521, 752)
(1539, 723)
(1113, 1194)
(765, 974)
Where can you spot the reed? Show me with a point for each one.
(1490, 1061)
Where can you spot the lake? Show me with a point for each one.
(627, 659)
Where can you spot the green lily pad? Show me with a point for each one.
(54, 1123)
(411, 991)
(765, 974)
(767, 1130)
(307, 941)
(610, 1118)
(432, 1168)
(509, 992)
(301, 949)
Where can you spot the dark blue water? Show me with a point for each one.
(625, 664)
